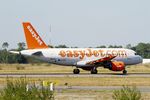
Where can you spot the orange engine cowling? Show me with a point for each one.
(118, 66)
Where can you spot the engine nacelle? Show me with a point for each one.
(118, 66)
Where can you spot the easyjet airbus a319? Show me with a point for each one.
(115, 59)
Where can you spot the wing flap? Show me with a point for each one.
(93, 62)
(100, 60)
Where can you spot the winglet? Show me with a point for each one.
(33, 40)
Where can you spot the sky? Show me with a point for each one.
(81, 23)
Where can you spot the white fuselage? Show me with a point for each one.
(71, 56)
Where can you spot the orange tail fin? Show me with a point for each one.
(33, 40)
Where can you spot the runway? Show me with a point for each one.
(99, 88)
(94, 88)
(3, 75)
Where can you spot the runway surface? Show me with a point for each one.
(94, 88)
(72, 75)
(100, 88)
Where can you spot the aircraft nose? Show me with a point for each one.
(139, 59)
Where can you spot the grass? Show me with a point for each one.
(66, 94)
(80, 81)
(127, 93)
(84, 95)
(33, 68)
(95, 95)
(90, 81)
(16, 90)
(47, 68)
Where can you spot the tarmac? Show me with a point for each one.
(72, 75)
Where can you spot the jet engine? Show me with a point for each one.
(117, 66)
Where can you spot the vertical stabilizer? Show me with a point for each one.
(33, 40)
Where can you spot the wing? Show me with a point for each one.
(98, 61)
(93, 62)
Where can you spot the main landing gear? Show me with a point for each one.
(94, 71)
(124, 72)
(76, 71)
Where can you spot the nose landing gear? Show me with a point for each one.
(124, 72)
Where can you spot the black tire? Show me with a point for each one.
(94, 71)
(76, 71)
(124, 72)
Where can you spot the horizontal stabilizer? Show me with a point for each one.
(15, 52)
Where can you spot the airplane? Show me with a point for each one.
(114, 59)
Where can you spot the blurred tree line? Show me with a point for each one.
(6, 57)
(142, 49)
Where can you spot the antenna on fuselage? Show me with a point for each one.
(50, 42)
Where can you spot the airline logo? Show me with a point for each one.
(89, 53)
(33, 40)
(37, 38)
